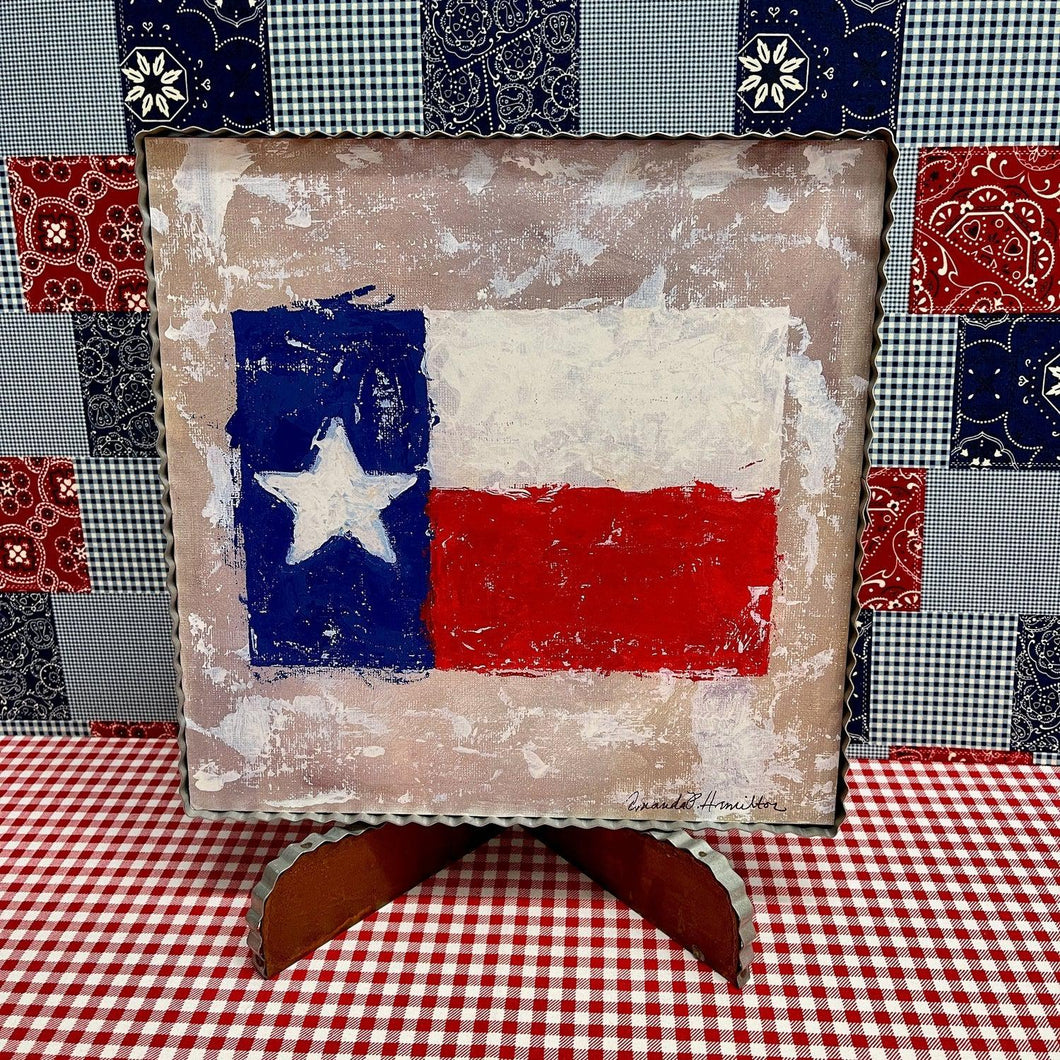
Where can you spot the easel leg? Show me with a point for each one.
(318, 888)
(678, 883)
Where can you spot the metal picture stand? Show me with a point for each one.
(318, 888)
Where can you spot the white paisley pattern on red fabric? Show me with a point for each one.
(894, 540)
(986, 230)
(79, 233)
(42, 542)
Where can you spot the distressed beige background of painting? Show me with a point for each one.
(464, 224)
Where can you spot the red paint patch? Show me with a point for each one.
(42, 544)
(986, 231)
(566, 578)
(79, 233)
(891, 568)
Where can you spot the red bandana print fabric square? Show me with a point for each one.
(986, 231)
(894, 540)
(79, 232)
(42, 543)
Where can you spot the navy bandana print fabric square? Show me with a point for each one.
(114, 364)
(193, 63)
(1006, 400)
(819, 67)
(500, 65)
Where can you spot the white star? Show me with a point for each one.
(336, 497)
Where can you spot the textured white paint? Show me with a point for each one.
(634, 398)
(196, 326)
(621, 184)
(819, 422)
(557, 261)
(202, 633)
(207, 180)
(825, 162)
(739, 751)
(651, 294)
(477, 174)
(247, 729)
(299, 217)
(583, 246)
(777, 201)
(207, 778)
(267, 186)
(715, 166)
(334, 797)
(224, 474)
(357, 156)
(159, 221)
(534, 764)
(543, 165)
(603, 729)
(812, 541)
(825, 240)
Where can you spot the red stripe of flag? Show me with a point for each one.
(562, 578)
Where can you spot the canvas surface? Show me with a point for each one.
(524, 354)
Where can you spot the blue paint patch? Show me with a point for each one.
(296, 370)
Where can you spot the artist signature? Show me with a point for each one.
(700, 800)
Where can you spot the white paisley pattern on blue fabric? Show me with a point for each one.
(114, 363)
(1036, 705)
(32, 687)
(500, 65)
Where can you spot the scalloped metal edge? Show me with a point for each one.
(719, 865)
(255, 917)
(371, 819)
(723, 871)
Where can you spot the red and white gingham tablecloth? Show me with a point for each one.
(929, 929)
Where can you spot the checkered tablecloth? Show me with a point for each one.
(928, 929)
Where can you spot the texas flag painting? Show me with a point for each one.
(515, 478)
(513, 492)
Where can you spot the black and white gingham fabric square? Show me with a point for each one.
(868, 750)
(351, 65)
(11, 298)
(980, 73)
(40, 405)
(914, 391)
(942, 679)
(650, 66)
(991, 541)
(895, 296)
(59, 69)
(123, 519)
(117, 654)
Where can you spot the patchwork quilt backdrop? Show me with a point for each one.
(960, 636)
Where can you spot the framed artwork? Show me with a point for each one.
(515, 479)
